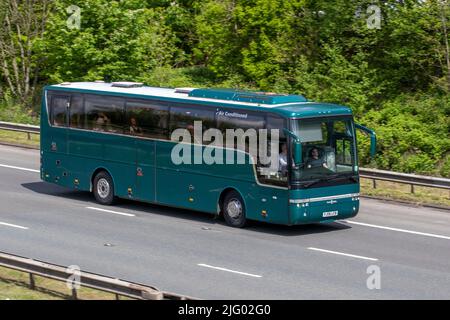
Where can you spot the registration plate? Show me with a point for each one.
(329, 214)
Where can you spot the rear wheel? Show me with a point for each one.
(103, 188)
(234, 210)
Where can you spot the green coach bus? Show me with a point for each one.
(116, 140)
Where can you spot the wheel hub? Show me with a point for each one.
(103, 188)
(234, 208)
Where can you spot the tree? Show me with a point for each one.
(21, 23)
(117, 40)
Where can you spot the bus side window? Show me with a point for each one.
(238, 119)
(104, 114)
(183, 117)
(59, 106)
(76, 112)
(147, 118)
(275, 173)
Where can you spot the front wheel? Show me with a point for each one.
(104, 188)
(234, 210)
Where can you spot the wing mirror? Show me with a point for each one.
(373, 138)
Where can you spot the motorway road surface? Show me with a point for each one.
(193, 254)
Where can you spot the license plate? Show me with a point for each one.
(329, 214)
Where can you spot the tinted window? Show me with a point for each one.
(58, 111)
(77, 114)
(104, 113)
(268, 172)
(274, 122)
(148, 119)
(239, 119)
(183, 117)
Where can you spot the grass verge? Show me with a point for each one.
(399, 191)
(15, 285)
(20, 138)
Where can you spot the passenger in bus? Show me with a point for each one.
(134, 128)
(315, 160)
(283, 160)
(101, 122)
(57, 123)
(194, 138)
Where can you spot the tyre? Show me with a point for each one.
(103, 188)
(234, 210)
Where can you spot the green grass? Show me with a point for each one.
(399, 191)
(14, 285)
(19, 138)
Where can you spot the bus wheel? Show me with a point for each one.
(234, 210)
(104, 188)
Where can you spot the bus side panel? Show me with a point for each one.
(145, 169)
(179, 186)
(268, 204)
(90, 150)
(199, 186)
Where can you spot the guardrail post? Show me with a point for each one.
(29, 136)
(74, 294)
(412, 188)
(32, 284)
(374, 183)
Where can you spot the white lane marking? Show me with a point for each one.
(18, 168)
(228, 270)
(399, 230)
(114, 212)
(13, 225)
(343, 254)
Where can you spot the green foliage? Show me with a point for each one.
(117, 40)
(413, 134)
(12, 111)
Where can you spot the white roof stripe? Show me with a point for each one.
(161, 92)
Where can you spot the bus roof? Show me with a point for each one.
(285, 105)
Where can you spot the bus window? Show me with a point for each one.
(274, 173)
(342, 134)
(229, 119)
(147, 119)
(184, 117)
(104, 114)
(58, 113)
(76, 112)
(237, 119)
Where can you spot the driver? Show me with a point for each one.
(314, 160)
